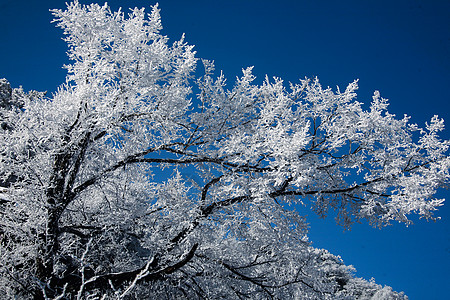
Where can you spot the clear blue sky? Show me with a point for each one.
(401, 48)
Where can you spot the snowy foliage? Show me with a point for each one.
(136, 180)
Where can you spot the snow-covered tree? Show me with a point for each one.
(136, 180)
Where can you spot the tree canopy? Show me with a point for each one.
(137, 179)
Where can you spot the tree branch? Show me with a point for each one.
(142, 274)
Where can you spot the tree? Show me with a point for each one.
(122, 186)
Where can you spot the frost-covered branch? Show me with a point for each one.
(166, 184)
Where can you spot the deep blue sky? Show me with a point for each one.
(401, 48)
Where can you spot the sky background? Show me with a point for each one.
(401, 48)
